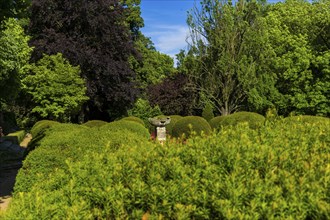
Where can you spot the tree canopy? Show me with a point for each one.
(56, 87)
(95, 36)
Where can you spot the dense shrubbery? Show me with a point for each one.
(170, 126)
(189, 124)
(38, 132)
(307, 119)
(130, 126)
(216, 122)
(253, 119)
(95, 123)
(280, 171)
(135, 119)
(15, 137)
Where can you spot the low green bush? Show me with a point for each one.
(191, 124)
(38, 133)
(278, 172)
(16, 137)
(135, 119)
(41, 126)
(307, 119)
(94, 123)
(254, 120)
(170, 126)
(65, 142)
(216, 122)
(127, 125)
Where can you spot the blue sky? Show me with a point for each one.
(165, 23)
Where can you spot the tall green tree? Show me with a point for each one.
(299, 35)
(56, 88)
(14, 56)
(94, 35)
(220, 65)
(152, 66)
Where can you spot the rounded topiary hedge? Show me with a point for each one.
(127, 125)
(307, 119)
(170, 126)
(135, 119)
(95, 123)
(216, 122)
(191, 124)
(254, 120)
(38, 132)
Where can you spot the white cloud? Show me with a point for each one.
(169, 39)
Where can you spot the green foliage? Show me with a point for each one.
(208, 112)
(170, 126)
(309, 119)
(154, 66)
(298, 33)
(95, 123)
(280, 171)
(17, 137)
(216, 122)
(14, 56)
(142, 109)
(38, 132)
(135, 119)
(190, 125)
(57, 89)
(128, 126)
(63, 142)
(254, 120)
(228, 41)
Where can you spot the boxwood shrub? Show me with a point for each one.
(174, 119)
(191, 124)
(135, 119)
(127, 125)
(15, 137)
(94, 123)
(216, 122)
(254, 120)
(278, 172)
(38, 132)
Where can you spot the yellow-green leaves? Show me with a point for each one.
(56, 87)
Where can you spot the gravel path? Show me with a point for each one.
(8, 174)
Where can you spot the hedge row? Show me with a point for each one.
(278, 172)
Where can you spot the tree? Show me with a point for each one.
(14, 9)
(95, 36)
(14, 56)
(299, 35)
(152, 67)
(56, 87)
(219, 61)
(173, 96)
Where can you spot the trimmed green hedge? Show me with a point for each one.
(170, 126)
(278, 172)
(127, 125)
(38, 133)
(216, 122)
(307, 119)
(135, 119)
(95, 123)
(64, 142)
(15, 137)
(189, 124)
(254, 120)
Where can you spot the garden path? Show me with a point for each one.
(8, 174)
